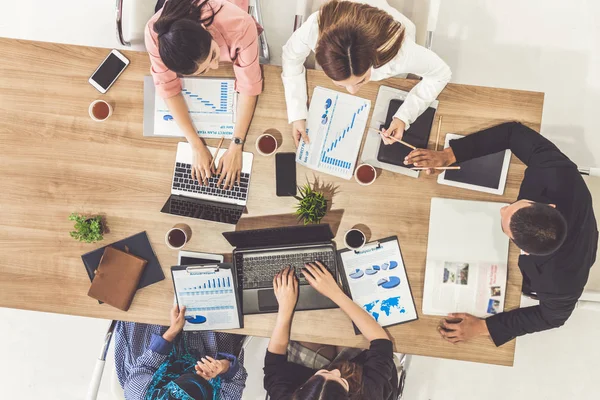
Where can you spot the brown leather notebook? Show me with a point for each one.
(116, 278)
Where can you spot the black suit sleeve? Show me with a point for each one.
(282, 378)
(552, 312)
(530, 147)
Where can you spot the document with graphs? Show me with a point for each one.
(210, 295)
(336, 124)
(212, 107)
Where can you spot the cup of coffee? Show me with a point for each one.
(100, 110)
(266, 144)
(355, 239)
(365, 174)
(178, 236)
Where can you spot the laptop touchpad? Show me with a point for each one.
(267, 300)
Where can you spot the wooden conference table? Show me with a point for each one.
(55, 160)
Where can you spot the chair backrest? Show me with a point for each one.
(594, 186)
(131, 19)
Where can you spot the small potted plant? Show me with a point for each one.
(312, 205)
(87, 229)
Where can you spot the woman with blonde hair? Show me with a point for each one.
(356, 43)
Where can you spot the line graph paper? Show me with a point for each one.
(336, 124)
(212, 107)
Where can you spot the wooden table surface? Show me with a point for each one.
(54, 160)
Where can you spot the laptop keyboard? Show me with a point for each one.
(209, 212)
(258, 271)
(183, 181)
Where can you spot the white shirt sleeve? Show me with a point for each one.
(417, 60)
(295, 52)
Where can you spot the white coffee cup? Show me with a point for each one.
(91, 110)
(353, 236)
(178, 236)
(369, 166)
(265, 136)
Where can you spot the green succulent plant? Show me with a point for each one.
(312, 205)
(87, 229)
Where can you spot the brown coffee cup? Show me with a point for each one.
(365, 174)
(100, 110)
(178, 236)
(266, 144)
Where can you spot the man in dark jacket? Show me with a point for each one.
(552, 222)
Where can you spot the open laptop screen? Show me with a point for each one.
(290, 235)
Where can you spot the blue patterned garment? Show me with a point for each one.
(140, 351)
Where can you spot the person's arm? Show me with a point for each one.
(282, 377)
(319, 277)
(295, 52)
(530, 147)
(435, 74)
(230, 165)
(145, 366)
(168, 86)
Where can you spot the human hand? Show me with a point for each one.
(396, 129)
(285, 286)
(430, 159)
(177, 322)
(299, 131)
(319, 277)
(230, 166)
(202, 165)
(209, 368)
(461, 327)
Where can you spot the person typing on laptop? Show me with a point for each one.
(552, 222)
(191, 37)
(353, 373)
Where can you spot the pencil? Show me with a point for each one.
(437, 139)
(441, 168)
(217, 152)
(400, 141)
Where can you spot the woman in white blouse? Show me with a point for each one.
(356, 43)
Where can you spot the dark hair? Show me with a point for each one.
(354, 37)
(183, 41)
(319, 388)
(538, 229)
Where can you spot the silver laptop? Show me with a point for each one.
(259, 254)
(209, 202)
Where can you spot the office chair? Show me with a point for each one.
(132, 16)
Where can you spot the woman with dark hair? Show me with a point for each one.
(353, 374)
(158, 363)
(356, 43)
(191, 37)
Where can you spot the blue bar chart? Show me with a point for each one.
(336, 124)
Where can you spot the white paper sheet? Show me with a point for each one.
(378, 283)
(212, 108)
(209, 297)
(335, 125)
(467, 258)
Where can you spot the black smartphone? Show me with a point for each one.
(285, 174)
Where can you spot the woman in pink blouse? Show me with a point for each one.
(190, 37)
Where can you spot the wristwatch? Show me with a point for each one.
(237, 140)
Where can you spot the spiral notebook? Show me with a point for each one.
(375, 278)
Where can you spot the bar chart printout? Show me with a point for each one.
(209, 296)
(336, 124)
(212, 107)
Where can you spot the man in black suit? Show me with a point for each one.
(552, 222)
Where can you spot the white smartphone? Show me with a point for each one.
(108, 71)
(194, 258)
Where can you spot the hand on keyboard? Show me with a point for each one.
(319, 277)
(230, 166)
(285, 286)
(202, 165)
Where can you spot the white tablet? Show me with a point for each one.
(195, 258)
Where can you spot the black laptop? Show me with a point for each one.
(259, 254)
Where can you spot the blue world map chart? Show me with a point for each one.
(388, 306)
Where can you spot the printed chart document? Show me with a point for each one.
(212, 107)
(335, 125)
(209, 294)
(376, 279)
(467, 259)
